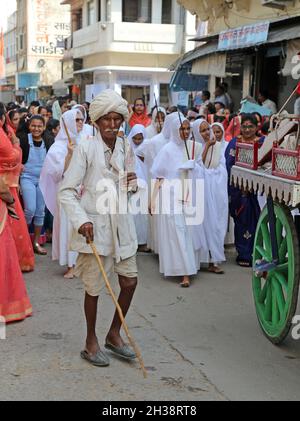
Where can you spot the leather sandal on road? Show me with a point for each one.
(122, 351)
(99, 359)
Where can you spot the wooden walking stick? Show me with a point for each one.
(132, 343)
(67, 131)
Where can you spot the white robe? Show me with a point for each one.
(148, 150)
(50, 181)
(177, 253)
(140, 219)
(216, 206)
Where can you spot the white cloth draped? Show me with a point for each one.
(140, 219)
(177, 253)
(152, 129)
(50, 180)
(216, 204)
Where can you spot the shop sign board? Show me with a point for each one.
(244, 36)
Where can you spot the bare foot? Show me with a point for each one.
(215, 269)
(69, 274)
(38, 249)
(144, 249)
(115, 340)
(185, 283)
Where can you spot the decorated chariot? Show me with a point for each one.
(273, 170)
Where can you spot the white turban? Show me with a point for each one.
(106, 102)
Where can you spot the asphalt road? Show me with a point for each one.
(201, 343)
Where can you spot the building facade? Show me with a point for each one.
(127, 45)
(42, 27)
(10, 60)
(251, 45)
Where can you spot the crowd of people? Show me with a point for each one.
(51, 158)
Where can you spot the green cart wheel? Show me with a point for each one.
(276, 292)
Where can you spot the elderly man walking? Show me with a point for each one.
(98, 164)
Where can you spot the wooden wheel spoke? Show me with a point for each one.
(268, 306)
(264, 253)
(263, 292)
(279, 228)
(279, 297)
(283, 267)
(282, 251)
(266, 237)
(275, 310)
(282, 280)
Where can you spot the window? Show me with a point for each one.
(166, 15)
(91, 12)
(108, 11)
(137, 11)
(21, 41)
(77, 20)
(99, 11)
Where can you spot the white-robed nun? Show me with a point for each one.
(216, 196)
(87, 129)
(136, 138)
(177, 254)
(219, 133)
(55, 165)
(157, 124)
(148, 151)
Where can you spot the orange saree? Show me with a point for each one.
(14, 302)
(10, 169)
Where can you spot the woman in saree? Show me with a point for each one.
(14, 302)
(10, 169)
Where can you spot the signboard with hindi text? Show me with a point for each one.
(49, 25)
(244, 36)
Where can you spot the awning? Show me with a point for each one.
(213, 65)
(184, 80)
(60, 88)
(293, 49)
(283, 30)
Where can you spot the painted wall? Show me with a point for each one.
(222, 15)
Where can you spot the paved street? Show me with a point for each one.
(201, 343)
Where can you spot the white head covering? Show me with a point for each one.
(87, 130)
(106, 102)
(223, 141)
(136, 129)
(69, 117)
(167, 162)
(175, 126)
(152, 130)
(82, 109)
(54, 164)
(196, 130)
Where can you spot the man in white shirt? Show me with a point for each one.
(266, 102)
(95, 162)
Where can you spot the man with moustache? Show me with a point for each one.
(98, 164)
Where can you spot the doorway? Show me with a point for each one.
(130, 93)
